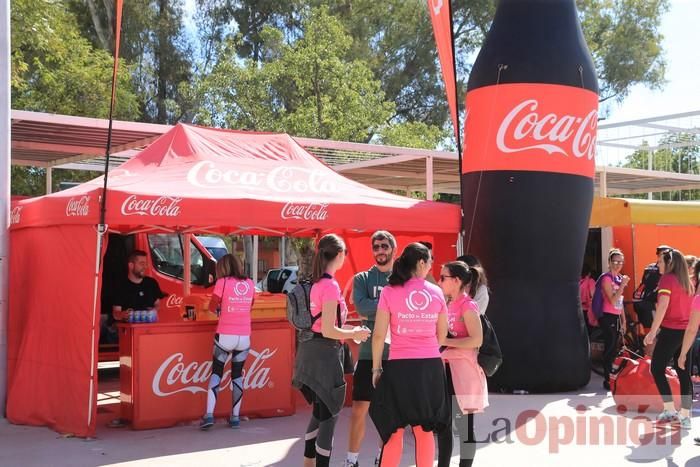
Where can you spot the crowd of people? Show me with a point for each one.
(414, 328)
(667, 309)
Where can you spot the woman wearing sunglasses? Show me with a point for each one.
(613, 320)
(674, 298)
(465, 378)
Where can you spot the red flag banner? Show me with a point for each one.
(442, 28)
(117, 37)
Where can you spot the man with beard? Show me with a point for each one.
(366, 288)
(137, 292)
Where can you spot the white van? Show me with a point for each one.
(279, 280)
(215, 245)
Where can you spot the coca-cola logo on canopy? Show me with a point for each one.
(164, 206)
(79, 206)
(16, 215)
(305, 211)
(525, 128)
(176, 374)
(281, 179)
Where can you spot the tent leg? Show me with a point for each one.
(5, 191)
(93, 363)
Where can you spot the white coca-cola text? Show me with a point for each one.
(175, 375)
(305, 211)
(166, 206)
(173, 301)
(205, 174)
(78, 206)
(16, 215)
(524, 129)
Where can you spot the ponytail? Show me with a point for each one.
(407, 263)
(328, 248)
(469, 276)
(474, 283)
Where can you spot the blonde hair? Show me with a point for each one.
(674, 263)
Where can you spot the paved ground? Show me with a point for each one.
(581, 429)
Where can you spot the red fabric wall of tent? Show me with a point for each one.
(191, 179)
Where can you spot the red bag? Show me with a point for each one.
(633, 386)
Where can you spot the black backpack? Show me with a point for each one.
(490, 356)
(650, 281)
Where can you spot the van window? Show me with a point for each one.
(166, 251)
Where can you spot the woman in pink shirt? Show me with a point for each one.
(674, 297)
(685, 359)
(234, 294)
(410, 388)
(465, 378)
(586, 288)
(318, 369)
(613, 319)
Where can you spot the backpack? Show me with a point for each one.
(599, 297)
(647, 287)
(299, 307)
(490, 356)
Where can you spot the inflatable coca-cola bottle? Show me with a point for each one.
(527, 174)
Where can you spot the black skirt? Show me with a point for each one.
(410, 392)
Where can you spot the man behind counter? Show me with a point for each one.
(138, 291)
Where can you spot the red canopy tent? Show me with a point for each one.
(192, 179)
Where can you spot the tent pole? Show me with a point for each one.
(93, 364)
(254, 266)
(5, 191)
(187, 260)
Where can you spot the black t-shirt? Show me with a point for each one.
(137, 296)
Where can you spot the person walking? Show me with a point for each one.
(318, 369)
(613, 320)
(466, 380)
(675, 295)
(233, 296)
(366, 287)
(410, 387)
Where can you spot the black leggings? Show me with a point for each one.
(465, 429)
(610, 325)
(318, 440)
(668, 345)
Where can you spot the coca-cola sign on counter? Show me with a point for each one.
(164, 206)
(176, 374)
(305, 211)
(281, 179)
(173, 301)
(16, 215)
(79, 206)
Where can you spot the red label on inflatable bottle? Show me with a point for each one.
(532, 127)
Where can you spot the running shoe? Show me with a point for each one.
(234, 422)
(348, 463)
(207, 422)
(684, 422)
(666, 417)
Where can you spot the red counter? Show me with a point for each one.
(165, 369)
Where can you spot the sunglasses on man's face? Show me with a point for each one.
(383, 246)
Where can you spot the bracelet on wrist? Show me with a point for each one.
(377, 370)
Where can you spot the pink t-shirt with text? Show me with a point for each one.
(609, 307)
(236, 302)
(455, 315)
(324, 291)
(413, 314)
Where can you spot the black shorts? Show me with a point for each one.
(362, 388)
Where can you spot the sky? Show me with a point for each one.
(681, 30)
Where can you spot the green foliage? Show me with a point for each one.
(31, 181)
(413, 135)
(624, 39)
(670, 159)
(310, 89)
(54, 69)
